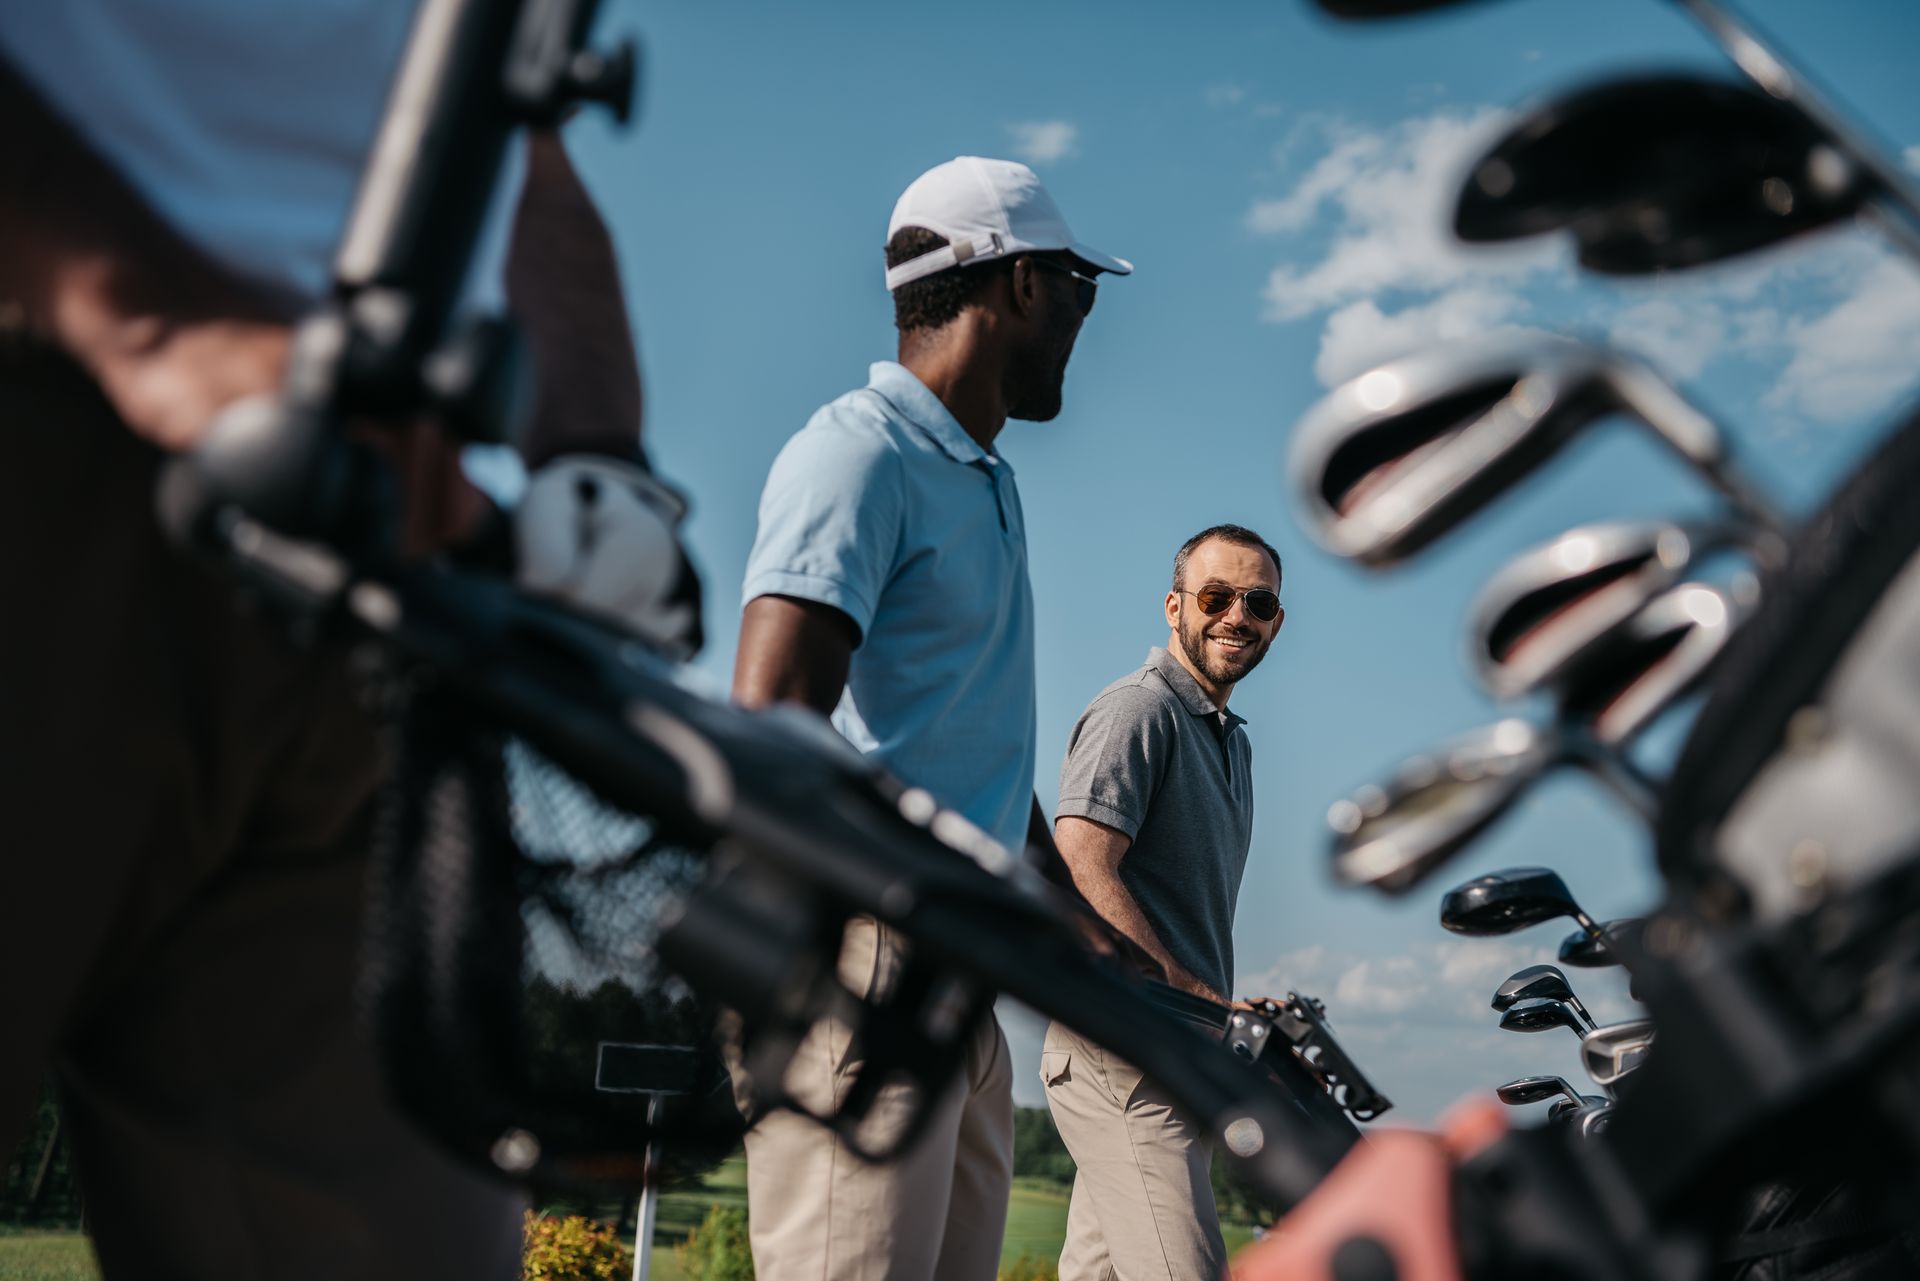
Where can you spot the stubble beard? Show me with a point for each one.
(1222, 672)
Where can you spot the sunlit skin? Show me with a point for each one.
(1218, 651)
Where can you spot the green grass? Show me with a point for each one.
(46, 1256)
(1036, 1225)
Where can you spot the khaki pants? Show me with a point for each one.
(1142, 1207)
(937, 1213)
(183, 820)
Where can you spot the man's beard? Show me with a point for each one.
(1038, 381)
(1218, 668)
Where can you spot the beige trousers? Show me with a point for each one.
(1142, 1207)
(817, 1212)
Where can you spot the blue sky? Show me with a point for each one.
(1279, 180)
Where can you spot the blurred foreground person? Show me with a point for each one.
(889, 580)
(187, 793)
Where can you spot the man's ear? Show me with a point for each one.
(1173, 610)
(1023, 286)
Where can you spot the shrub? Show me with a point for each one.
(717, 1250)
(573, 1248)
(1028, 1268)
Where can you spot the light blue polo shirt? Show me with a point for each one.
(884, 508)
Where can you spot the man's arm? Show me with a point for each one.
(793, 651)
(1093, 852)
(85, 265)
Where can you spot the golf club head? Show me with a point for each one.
(1648, 663)
(1594, 1117)
(1508, 901)
(1534, 1089)
(1391, 835)
(1389, 461)
(1541, 1015)
(1610, 1053)
(1548, 609)
(1535, 982)
(1655, 173)
(1582, 949)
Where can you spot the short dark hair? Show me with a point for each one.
(1237, 534)
(933, 301)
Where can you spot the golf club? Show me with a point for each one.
(1393, 459)
(1508, 901)
(1861, 163)
(1660, 173)
(1589, 952)
(1391, 835)
(1648, 663)
(1535, 1089)
(1540, 1015)
(1548, 609)
(1611, 1052)
(1540, 982)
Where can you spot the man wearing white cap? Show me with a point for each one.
(888, 587)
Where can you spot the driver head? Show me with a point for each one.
(1653, 173)
(1508, 901)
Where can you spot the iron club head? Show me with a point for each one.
(1647, 663)
(1391, 835)
(1611, 1052)
(1549, 608)
(1393, 459)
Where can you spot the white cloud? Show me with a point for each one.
(1857, 357)
(1680, 335)
(1418, 1021)
(1391, 194)
(1044, 141)
(1359, 334)
(1225, 95)
(1821, 331)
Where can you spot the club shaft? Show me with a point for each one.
(1897, 209)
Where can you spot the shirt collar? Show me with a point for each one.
(1181, 682)
(923, 409)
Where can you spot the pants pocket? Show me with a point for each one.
(1055, 1066)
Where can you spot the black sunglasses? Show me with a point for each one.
(1085, 288)
(1216, 598)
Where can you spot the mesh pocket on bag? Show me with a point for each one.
(510, 934)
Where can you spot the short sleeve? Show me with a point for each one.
(830, 519)
(1116, 758)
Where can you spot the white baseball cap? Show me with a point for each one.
(985, 209)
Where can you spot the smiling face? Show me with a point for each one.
(1220, 649)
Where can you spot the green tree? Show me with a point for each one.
(1038, 1152)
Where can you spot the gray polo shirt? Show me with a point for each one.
(1153, 758)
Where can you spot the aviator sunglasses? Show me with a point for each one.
(1085, 288)
(1216, 598)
